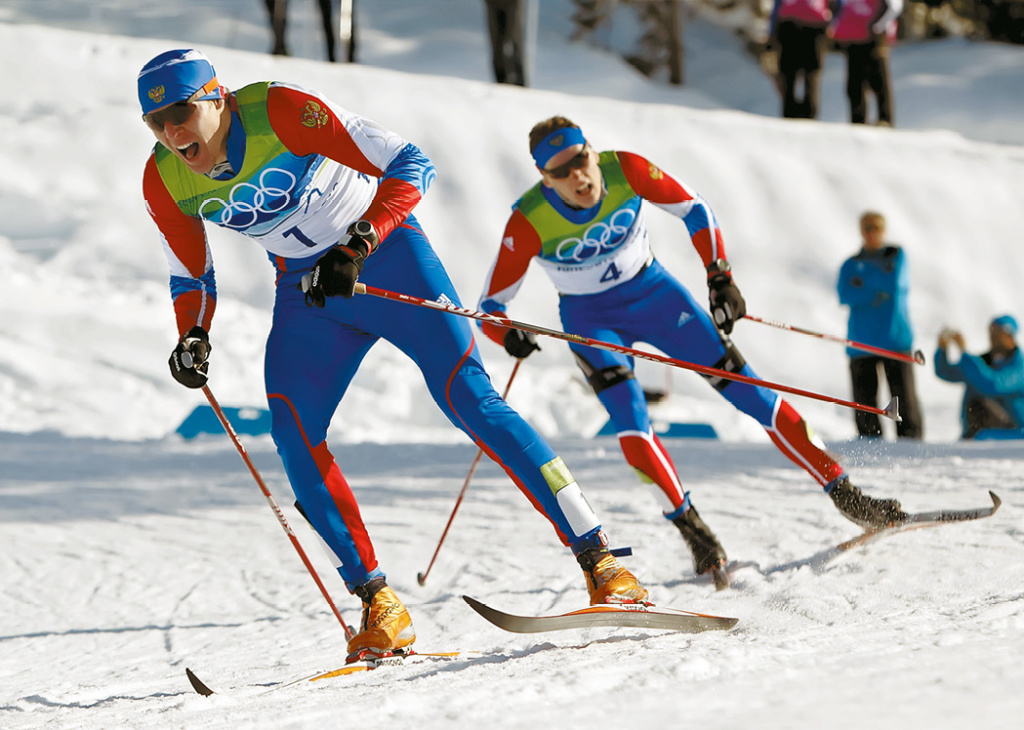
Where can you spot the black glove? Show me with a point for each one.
(335, 272)
(520, 344)
(190, 360)
(727, 305)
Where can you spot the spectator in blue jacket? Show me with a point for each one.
(875, 285)
(994, 398)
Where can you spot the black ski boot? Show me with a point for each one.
(708, 554)
(868, 512)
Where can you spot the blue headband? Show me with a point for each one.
(555, 142)
(1006, 323)
(174, 76)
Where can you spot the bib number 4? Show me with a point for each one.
(612, 273)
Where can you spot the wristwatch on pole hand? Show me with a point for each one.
(363, 230)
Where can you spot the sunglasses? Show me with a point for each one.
(179, 112)
(562, 171)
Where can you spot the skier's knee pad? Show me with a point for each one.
(604, 378)
(731, 362)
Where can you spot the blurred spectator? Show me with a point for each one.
(506, 24)
(863, 30)
(277, 10)
(994, 397)
(875, 284)
(797, 32)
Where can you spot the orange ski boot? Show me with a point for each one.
(607, 581)
(386, 627)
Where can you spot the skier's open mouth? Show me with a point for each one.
(189, 151)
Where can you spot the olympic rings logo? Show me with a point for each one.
(599, 238)
(247, 202)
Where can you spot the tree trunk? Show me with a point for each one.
(506, 25)
(676, 49)
(347, 29)
(327, 22)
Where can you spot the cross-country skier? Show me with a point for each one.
(329, 194)
(584, 223)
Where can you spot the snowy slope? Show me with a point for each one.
(786, 193)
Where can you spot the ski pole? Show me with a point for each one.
(422, 577)
(273, 505)
(890, 411)
(917, 357)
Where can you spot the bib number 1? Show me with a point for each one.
(294, 231)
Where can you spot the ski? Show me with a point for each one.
(197, 684)
(919, 520)
(369, 664)
(631, 615)
(366, 664)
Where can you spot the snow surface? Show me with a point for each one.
(130, 554)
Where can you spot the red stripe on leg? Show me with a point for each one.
(801, 445)
(647, 455)
(345, 501)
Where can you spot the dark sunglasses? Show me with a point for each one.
(577, 162)
(179, 112)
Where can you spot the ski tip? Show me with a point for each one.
(995, 500)
(197, 684)
(480, 607)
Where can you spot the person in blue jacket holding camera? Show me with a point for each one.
(994, 398)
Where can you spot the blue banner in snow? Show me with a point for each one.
(249, 421)
(672, 430)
